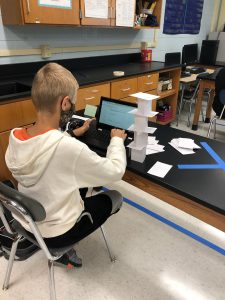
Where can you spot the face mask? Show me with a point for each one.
(65, 117)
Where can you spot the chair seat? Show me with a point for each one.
(54, 251)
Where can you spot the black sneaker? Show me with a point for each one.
(69, 263)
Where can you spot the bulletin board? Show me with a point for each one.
(183, 16)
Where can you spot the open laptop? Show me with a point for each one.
(111, 114)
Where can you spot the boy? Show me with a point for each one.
(51, 166)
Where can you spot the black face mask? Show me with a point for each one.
(65, 117)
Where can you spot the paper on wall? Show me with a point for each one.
(96, 9)
(56, 3)
(125, 12)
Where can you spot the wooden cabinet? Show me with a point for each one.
(123, 88)
(148, 82)
(15, 114)
(35, 12)
(91, 95)
(110, 20)
(140, 10)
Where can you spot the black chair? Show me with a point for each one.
(218, 116)
(30, 211)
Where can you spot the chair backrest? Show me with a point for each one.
(20, 204)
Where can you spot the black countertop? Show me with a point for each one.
(87, 71)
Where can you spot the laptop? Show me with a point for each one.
(111, 114)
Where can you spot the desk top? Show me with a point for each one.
(203, 186)
(193, 77)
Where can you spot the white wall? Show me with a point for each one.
(32, 36)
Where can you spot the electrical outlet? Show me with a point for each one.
(46, 51)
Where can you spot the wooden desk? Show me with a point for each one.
(203, 84)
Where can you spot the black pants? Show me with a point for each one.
(99, 206)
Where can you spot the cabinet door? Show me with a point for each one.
(4, 171)
(64, 12)
(91, 95)
(10, 116)
(95, 20)
(28, 111)
(123, 88)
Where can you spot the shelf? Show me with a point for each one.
(165, 94)
(146, 27)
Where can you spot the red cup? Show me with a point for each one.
(146, 55)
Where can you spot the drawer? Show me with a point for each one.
(123, 88)
(148, 82)
(129, 99)
(29, 112)
(11, 116)
(91, 95)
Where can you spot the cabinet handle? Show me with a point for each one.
(149, 76)
(149, 83)
(125, 90)
(28, 7)
(89, 98)
(94, 91)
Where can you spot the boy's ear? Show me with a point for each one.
(65, 103)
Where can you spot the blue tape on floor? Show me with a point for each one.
(175, 226)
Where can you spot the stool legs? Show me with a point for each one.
(112, 258)
(51, 279)
(10, 262)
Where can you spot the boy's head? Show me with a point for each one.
(52, 84)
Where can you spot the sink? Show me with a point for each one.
(13, 87)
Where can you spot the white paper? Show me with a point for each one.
(125, 12)
(160, 169)
(187, 143)
(148, 129)
(79, 117)
(156, 147)
(148, 114)
(145, 96)
(96, 9)
(152, 140)
(132, 145)
(174, 144)
(151, 129)
(56, 3)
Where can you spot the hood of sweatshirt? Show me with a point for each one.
(27, 160)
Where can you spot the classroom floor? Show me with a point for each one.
(162, 254)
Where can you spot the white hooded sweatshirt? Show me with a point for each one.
(51, 168)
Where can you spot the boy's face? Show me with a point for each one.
(66, 115)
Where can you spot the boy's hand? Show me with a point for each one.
(81, 130)
(119, 133)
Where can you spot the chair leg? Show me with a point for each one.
(180, 105)
(210, 126)
(51, 280)
(112, 258)
(189, 115)
(10, 262)
(215, 129)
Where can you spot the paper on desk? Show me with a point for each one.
(145, 96)
(156, 147)
(79, 117)
(187, 144)
(152, 140)
(159, 169)
(150, 130)
(174, 144)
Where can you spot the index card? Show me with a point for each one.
(79, 117)
(145, 96)
(159, 169)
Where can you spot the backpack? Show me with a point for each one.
(25, 248)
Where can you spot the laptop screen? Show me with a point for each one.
(115, 114)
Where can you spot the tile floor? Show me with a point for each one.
(154, 261)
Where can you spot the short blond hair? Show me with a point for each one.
(51, 83)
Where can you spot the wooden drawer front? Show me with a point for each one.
(123, 88)
(4, 171)
(10, 116)
(91, 95)
(148, 82)
(129, 99)
(29, 112)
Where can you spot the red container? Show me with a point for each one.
(146, 55)
(164, 116)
